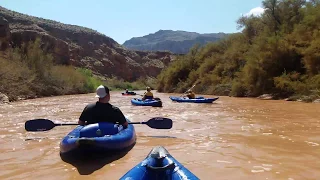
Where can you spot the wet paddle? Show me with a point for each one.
(46, 124)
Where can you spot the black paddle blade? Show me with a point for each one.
(39, 125)
(160, 123)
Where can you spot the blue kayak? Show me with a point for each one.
(195, 100)
(147, 102)
(159, 164)
(100, 137)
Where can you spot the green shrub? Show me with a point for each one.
(91, 82)
(116, 83)
(29, 71)
(238, 89)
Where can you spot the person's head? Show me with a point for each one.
(103, 93)
(148, 89)
(126, 90)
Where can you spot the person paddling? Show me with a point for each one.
(148, 94)
(102, 110)
(190, 94)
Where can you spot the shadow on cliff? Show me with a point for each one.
(87, 164)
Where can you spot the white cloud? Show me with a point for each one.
(257, 11)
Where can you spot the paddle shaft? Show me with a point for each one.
(69, 124)
(147, 123)
(137, 122)
(189, 89)
(65, 124)
(158, 99)
(46, 124)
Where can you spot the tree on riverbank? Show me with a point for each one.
(28, 71)
(277, 53)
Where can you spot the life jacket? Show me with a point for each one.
(191, 95)
(148, 95)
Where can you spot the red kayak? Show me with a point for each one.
(129, 94)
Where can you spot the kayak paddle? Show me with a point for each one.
(157, 123)
(46, 124)
(190, 88)
(158, 99)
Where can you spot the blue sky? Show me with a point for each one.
(124, 19)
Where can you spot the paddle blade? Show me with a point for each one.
(39, 125)
(160, 123)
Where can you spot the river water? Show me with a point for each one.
(232, 138)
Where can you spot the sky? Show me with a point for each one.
(124, 19)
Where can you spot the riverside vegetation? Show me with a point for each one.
(72, 59)
(29, 72)
(276, 53)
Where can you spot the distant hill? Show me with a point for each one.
(178, 42)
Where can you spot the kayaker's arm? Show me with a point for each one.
(125, 125)
(121, 119)
(82, 123)
(85, 116)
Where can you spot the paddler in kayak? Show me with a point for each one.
(190, 95)
(148, 94)
(102, 110)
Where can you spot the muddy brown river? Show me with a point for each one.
(232, 138)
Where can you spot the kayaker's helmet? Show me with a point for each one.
(148, 89)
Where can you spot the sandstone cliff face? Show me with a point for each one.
(81, 47)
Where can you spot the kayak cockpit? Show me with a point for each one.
(158, 160)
